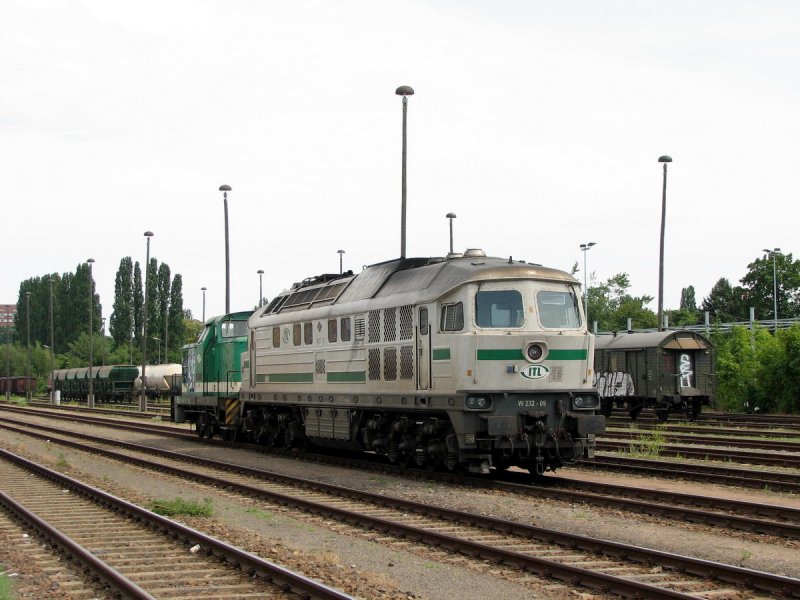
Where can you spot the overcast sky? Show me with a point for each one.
(538, 123)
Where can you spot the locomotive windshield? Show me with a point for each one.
(501, 308)
(233, 329)
(558, 309)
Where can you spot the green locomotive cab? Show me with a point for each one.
(212, 376)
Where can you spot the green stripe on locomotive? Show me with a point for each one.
(212, 365)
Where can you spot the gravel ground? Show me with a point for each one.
(368, 567)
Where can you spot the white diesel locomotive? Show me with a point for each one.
(461, 361)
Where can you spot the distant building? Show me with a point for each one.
(7, 314)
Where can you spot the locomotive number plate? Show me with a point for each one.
(532, 403)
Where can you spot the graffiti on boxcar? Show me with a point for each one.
(686, 370)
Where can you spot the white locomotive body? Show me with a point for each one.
(467, 361)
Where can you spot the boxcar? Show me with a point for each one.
(668, 371)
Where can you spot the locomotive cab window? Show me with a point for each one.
(501, 308)
(558, 309)
(297, 334)
(308, 333)
(230, 329)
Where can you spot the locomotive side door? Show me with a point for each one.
(423, 349)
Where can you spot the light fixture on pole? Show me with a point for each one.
(662, 159)
(203, 289)
(405, 91)
(451, 216)
(143, 398)
(341, 255)
(774, 253)
(225, 189)
(90, 399)
(585, 248)
(28, 316)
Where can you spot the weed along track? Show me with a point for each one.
(523, 550)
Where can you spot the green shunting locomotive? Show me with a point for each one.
(212, 376)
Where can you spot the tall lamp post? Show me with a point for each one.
(203, 289)
(8, 353)
(774, 253)
(585, 248)
(341, 261)
(225, 189)
(662, 159)
(52, 347)
(28, 316)
(260, 287)
(451, 216)
(143, 398)
(90, 401)
(405, 91)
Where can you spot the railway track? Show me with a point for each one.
(712, 430)
(709, 473)
(137, 553)
(770, 519)
(789, 461)
(776, 482)
(598, 564)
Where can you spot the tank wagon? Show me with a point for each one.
(212, 377)
(466, 361)
(110, 383)
(18, 385)
(668, 371)
(163, 381)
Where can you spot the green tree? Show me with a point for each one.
(121, 324)
(760, 287)
(176, 322)
(151, 295)
(138, 304)
(688, 301)
(611, 305)
(725, 303)
(163, 306)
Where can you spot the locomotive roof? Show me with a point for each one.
(425, 278)
(670, 339)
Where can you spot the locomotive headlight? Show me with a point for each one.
(534, 352)
(585, 402)
(478, 402)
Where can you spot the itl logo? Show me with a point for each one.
(534, 371)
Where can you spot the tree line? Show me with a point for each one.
(611, 304)
(72, 294)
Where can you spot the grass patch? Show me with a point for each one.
(179, 506)
(260, 514)
(649, 443)
(62, 461)
(6, 587)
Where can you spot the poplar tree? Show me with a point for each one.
(121, 323)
